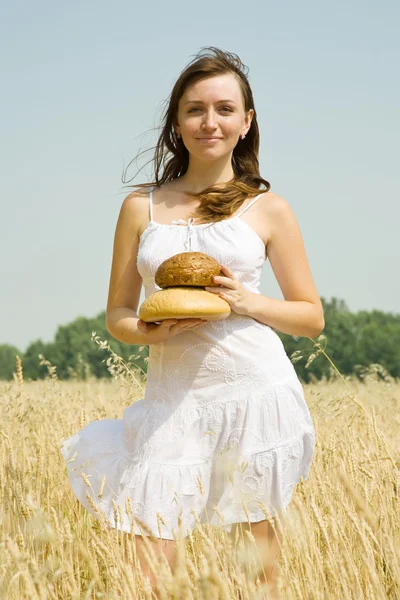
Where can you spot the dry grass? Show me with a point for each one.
(341, 538)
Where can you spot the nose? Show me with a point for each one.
(209, 120)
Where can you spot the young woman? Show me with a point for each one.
(223, 428)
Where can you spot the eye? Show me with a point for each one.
(224, 108)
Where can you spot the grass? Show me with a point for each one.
(340, 540)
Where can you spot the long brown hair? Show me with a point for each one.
(171, 158)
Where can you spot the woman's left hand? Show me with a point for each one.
(232, 291)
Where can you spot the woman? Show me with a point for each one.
(223, 422)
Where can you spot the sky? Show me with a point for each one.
(83, 87)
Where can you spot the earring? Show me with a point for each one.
(178, 135)
(243, 136)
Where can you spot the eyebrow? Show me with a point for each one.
(201, 102)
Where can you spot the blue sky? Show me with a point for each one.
(82, 89)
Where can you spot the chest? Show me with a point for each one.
(254, 217)
(232, 243)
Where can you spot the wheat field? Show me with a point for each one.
(340, 538)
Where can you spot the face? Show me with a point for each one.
(211, 116)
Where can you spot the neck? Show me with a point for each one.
(203, 174)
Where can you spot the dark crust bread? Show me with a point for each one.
(188, 269)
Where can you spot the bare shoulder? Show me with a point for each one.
(135, 209)
(278, 211)
(275, 205)
(134, 201)
(270, 210)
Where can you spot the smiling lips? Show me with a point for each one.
(209, 139)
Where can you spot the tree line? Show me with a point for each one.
(352, 341)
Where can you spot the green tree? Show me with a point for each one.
(352, 339)
(75, 354)
(8, 355)
(30, 360)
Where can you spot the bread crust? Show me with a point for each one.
(183, 303)
(194, 269)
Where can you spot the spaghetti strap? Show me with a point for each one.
(151, 203)
(249, 204)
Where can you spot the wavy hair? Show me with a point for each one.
(171, 158)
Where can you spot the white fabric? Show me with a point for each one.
(223, 405)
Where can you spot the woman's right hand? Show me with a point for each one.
(154, 333)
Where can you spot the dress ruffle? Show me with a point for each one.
(217, 459)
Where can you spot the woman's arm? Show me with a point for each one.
(125, 280)
(301, 312)
(293, 317)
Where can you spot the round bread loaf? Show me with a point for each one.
(187, 269)
(183, 303)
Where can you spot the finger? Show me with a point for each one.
(189, 325)
(228, 272)
(230, 283)
(191, 321)
(225, 296)
(169, 323)
(217, 290)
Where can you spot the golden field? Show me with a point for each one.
(340, 540)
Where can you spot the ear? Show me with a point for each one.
(248, 119)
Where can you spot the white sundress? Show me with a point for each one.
(223, 425)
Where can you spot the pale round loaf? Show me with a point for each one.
(183, 303)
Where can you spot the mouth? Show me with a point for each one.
(209, 140)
